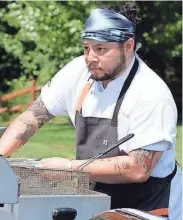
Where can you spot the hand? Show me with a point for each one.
(53, 163)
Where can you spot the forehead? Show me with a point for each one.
(99, 43)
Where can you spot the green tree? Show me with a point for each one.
(46, 34)
(161, 27)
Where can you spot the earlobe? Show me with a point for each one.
(128, 46)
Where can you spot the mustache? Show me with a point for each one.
(94, 68)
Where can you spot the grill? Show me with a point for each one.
(37, 181)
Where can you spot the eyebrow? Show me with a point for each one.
(86, 44)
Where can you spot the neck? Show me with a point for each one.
(128, 61)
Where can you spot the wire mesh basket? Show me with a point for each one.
(38, 181)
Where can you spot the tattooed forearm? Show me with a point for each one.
(29, 130)
(30, 126)
(145, 158)
(40, 112)
(120, 165)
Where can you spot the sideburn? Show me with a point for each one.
(121, 66)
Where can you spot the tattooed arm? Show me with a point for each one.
(137, 167)
(23, 127)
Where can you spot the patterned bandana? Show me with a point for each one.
(108, 26)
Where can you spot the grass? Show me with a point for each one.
(57, 138)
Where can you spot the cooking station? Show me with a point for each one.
(28, 192)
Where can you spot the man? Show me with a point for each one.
(108, 93)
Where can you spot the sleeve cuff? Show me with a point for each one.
(52, 106)
(150, 141)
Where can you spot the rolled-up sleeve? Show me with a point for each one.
(153, 123)
(52, 95)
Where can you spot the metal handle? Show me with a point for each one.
(64, 214)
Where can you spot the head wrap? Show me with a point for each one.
(108, 26)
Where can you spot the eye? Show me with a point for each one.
(100, 49)
(86, 49)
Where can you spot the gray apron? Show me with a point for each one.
(94, 135)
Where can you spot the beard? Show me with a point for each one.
(115, 71)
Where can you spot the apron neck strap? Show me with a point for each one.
(124, 89)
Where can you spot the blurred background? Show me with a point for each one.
(38, 38)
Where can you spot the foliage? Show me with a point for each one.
(162, 29)
(163, 26)
(45, 37)
(42, 38)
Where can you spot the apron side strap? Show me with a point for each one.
(161, 212)
(84, 93)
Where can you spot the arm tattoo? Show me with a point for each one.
(41, 115)
(145, 158)
(120, 165)
(30, 129)
(40, 112)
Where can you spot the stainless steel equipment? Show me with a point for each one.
(42, 190)
(2, 130)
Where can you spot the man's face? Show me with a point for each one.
(104, 60)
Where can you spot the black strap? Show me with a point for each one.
(125, 87)
(171, 175)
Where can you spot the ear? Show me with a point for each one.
(129, 45)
